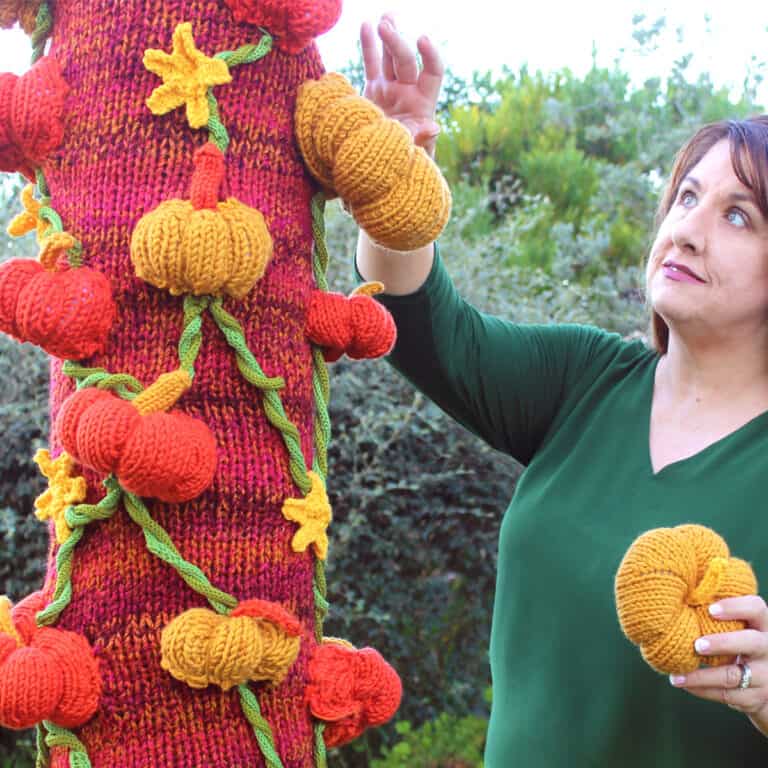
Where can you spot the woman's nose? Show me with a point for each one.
(689, 232)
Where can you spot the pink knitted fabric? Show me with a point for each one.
(117, 162)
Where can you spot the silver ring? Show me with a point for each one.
(746, 676)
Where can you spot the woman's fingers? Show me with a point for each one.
(750, 608)
(371, 54)
(431, 78)
(388, 35)
(405, 67)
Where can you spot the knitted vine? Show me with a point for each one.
(190, 394)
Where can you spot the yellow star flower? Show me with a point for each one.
(29, 219)
(187, 75)
(313, 514)
(63, 491)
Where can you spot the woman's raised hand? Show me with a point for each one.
(397, 85)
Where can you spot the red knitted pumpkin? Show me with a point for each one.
(45, 674)
(31, 116)
(69, 313)
(168, 456)
(351, 690)
(358, 326)
(292, 23)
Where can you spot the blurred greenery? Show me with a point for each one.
(555, 179)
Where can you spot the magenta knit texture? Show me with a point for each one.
(118, 162)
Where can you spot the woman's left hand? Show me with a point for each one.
(727, 684)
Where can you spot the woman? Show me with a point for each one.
(617, 439)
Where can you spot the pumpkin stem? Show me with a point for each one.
(207, 177)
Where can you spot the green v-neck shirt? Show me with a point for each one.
(573, 404)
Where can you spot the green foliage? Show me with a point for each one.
(446, 742)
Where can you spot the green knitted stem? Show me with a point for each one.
(43, 756)
(216, 130)
(192, 337)
(77, 518)
(273, 405)
(261, 729)
(320, 755)
(320, 257)
(42, 184)
(247, 54)
(61, 737)
(159, 544)
(320, 590)
(43, 26)
(123, 384)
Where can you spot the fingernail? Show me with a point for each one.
(715, 609)
(701, 645)
(677, 679)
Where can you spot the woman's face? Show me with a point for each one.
(707, 274)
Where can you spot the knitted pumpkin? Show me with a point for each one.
(168, 456)
(202, 246)
(350, 690)
(358, 326)
(393, 189)
(259, 640)
(68, 313)
(46, 674)
(294, 23)
(31, 116)
(664, 586)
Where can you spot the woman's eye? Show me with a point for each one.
(737, 217)
(687, 198)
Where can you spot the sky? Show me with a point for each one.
(545, 35)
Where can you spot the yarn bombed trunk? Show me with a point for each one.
(117, 163)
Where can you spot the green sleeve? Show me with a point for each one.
(507, 383)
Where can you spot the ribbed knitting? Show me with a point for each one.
(664, 586)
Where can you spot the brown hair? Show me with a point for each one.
(748, 140)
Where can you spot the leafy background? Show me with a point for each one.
(555, 180)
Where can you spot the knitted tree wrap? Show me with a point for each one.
(117, 163)
(664, 586)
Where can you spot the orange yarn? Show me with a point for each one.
(393, 189)
(292, 23)
(31, 116)
(68, 313)
(359, 326)
(202, 246)
(23, 11)
(168, 456)
(52, 676)
(258, 641)
(664, 586)
(351, 690)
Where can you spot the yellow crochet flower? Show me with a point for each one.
(63, 491)
(29, 219)
(187, 75)
(313, 514)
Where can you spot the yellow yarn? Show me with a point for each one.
(29, 219)
(370, 288)
(63, 491)
(54, 246)
(313, 514)
(187, 75)
(163, 393)
(666, 582)
(392, 188)
(6, 620)
(183, 250)
(201, 647)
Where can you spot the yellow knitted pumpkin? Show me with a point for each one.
(202, 246)
(258, 641)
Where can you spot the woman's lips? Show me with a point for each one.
(680, 273)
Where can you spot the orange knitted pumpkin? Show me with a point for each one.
(45, 674)
(31, 116)
(664, 586)
(350, 690)
(68, 313)
(293, 23)
(168, 456)
(357, 325)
